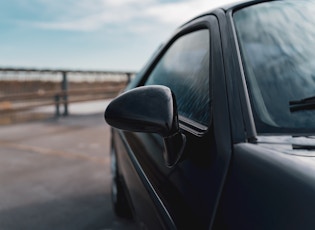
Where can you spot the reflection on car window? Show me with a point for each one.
(185, 69)
(277, 41)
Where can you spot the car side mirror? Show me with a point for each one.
(150, 109)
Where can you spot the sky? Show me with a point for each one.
(109, 35)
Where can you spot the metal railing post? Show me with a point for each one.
(57, 101)
(64, 87)
(128, 77)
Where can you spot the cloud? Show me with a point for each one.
(121, 3)
(84, 15)
(77, 24)
(90, 15)
(180, 12)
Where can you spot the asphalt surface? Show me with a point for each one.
(55, 175)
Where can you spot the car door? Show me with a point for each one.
(187, 193)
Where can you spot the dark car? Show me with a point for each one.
(217, 131)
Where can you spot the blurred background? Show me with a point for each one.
(61, 62)
(90, 34)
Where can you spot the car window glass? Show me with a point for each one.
(279, 62)
(184, 68)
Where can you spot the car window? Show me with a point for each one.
(184, 68)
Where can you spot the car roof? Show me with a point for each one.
(227, 7)
(241, 3)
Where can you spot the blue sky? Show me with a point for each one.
(90, 34)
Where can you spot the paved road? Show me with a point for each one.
(55, 175)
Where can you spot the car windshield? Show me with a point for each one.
(277, 44)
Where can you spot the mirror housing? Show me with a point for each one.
(149, 109)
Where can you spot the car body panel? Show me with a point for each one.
(268, 189)
(139, 187)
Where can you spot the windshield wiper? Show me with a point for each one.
(303, 147)
(307, 103)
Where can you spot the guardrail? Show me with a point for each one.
(25, 92)
(55, 98)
